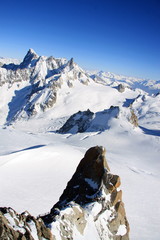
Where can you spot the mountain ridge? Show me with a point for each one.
(39, 84)
(43, 77)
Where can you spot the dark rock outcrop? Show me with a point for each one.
(78, 122)
(88, 121)
(121, 88)
(92, 201)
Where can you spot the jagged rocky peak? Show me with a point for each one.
(29, 59)
(91, 202)
(71, 62)
(43, 78)
(85, 185)
(32, 52)
(90, 207)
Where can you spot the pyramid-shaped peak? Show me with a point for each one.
(28, 59)
(32, 52)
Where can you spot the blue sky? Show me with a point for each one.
(121, 36)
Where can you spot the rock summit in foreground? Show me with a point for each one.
(90, 207)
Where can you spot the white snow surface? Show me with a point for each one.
(36, 163)
(9, 61)
(121, 230)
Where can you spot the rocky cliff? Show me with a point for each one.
(90, 207)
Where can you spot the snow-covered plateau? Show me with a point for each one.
(52, 111)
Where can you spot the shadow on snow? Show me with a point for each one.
(150, 131)
(18, 102)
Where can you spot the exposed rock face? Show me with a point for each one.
(121, 88)
(133, 118)
(90, 207)
(92, 197)
(88, 121)
(22, 226)
(78, 122)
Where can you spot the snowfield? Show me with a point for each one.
(36, 162)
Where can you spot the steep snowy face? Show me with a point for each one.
(37, 80)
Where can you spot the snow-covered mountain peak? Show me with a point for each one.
(30, 59)
(38, 79)
(31, 51)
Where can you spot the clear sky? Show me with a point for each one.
(120, 36)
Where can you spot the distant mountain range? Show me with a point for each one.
(34, 86)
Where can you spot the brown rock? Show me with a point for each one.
(111, 181)
(116, 196)
(21, 229)
(133, 118)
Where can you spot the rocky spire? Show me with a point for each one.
(29, 59)
(92, 186)
(70, 63)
